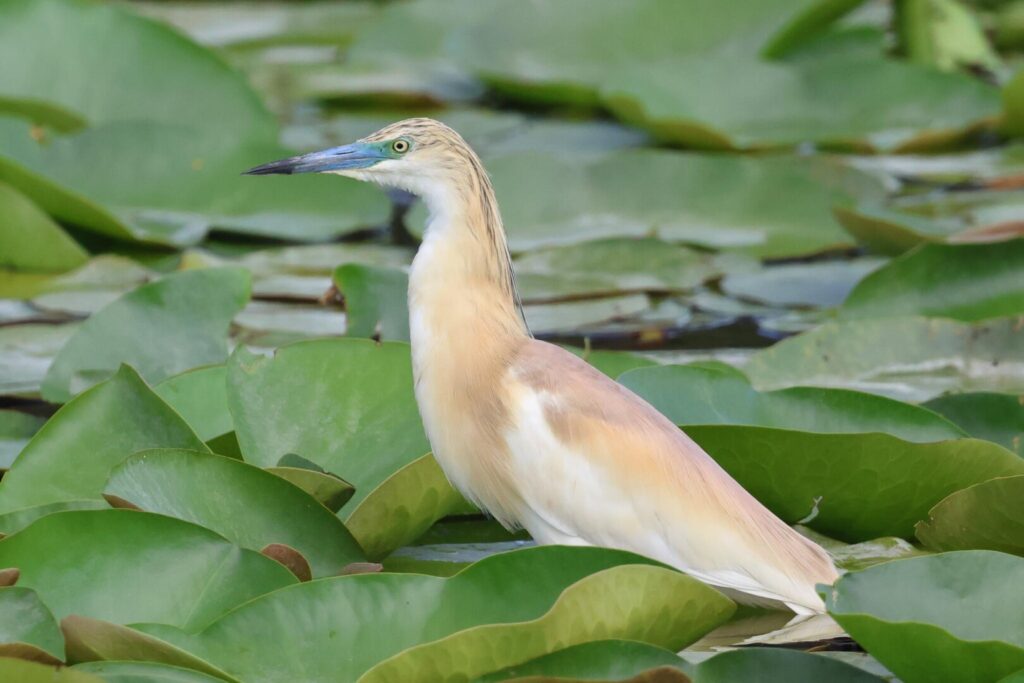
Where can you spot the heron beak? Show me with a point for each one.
(349, 157)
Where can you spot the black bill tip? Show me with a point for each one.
(281, 167)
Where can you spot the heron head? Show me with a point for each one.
(413, 155)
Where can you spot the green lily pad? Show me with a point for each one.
(242, 503)
(375, 301)
(911, 358)
(30, 240)
(770, 207)
(569, 316)
(944, 34)
(93, 640)
(12, 522)
(596, 660)
(55, 42)
(120, 553)
(773, 665)
(72, 455)
(844, 101)
(345, 404)
(968, 282)
(144, 672)
(403, 507)
(938, 618)
(612, 266)
(708, 395)
(329, 490)
(996, 417)
(16, 428)
(821, 285)
(200, 396)
(986, 516)
(854, 487)
(162, 328)
(34, 672)
(27, 626)
(42, 113)
(531, 601)
(26, 352)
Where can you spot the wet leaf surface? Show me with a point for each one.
(244, 504)
(970, 629)
(201, 575)
(986, 516)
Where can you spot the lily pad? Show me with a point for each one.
(957, 624)
(535, 598)
(120, 552)
(27, 627)
(769, 207)
(996, 417)
(854, 487)
(775, 665)
(911, 358)
(404, 506)
(26, 352)
(163, 328)
(55, 40)
(708, 395)
(375, 301)
(613, 266)
(968, 282)
(329, 490)
(34, 672)
(242, 503)
(345, 404)
(72, 455)
(986, 516)
(16, 429)
(144, 672)
(30, 240)
(821, 285)
(597, 660)
(200, 396)
(12, 522)
(93, 640)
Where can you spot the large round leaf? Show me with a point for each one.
(16, 429)
(30, 240)
(961, 281)
(771, 207)
(404, 506)
(996, 417)
(911, 358)
(939, 618)
(530, 602)
(599, 660)
(63, 46)
(200, 396)
(127, 566)
(161, 328)
(345, 404)
(987, 516)
(703, 395)
(71, 457)
(27, 627)
(245, 504)
(854, 487)
(144, 672)
(31, 672)
(775, 665)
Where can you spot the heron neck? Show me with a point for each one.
(462, 278)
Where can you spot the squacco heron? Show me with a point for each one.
(531, 433)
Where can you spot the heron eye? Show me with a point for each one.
(400, 146)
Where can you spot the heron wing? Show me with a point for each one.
(598, 465)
